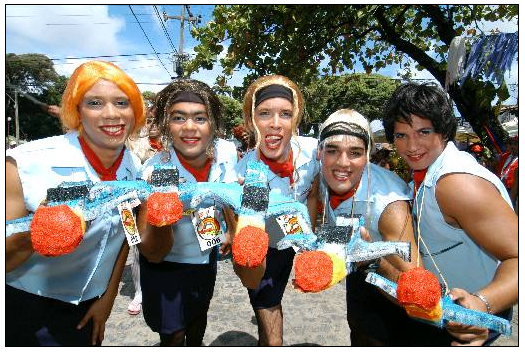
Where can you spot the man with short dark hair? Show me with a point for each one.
(463, 214)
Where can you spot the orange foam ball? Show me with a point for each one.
(420, 287)
(250, 246)
(56, 230)
(164, 209)
(313, 271)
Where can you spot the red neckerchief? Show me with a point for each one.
(335, 199)
(282, 170)
(502, 160)
(200, 175)
(155, 144)
(419, 176)
(109, 174)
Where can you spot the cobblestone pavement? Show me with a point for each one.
(317, 319)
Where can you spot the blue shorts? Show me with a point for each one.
(33, 320)
(370, 313)
(271, 289)
(175, 294)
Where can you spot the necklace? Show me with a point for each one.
(419, 213)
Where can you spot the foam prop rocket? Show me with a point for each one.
(58, 227)
(253, 202)
(328, 256)
(419, 292)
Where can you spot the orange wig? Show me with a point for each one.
(84, 77)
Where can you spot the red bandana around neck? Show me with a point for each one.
(282, 170)
(105, 174)
(419, 176)
(155, 144)
(200, 175)
(336, 200)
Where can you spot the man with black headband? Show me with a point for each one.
(178, 268)
(351, 186)
(273, 107)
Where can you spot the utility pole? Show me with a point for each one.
(181, 56)
(9, 122)
(17, 127)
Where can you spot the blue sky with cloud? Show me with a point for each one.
(73, 31)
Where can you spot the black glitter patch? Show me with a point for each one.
(64, 193)
(334, 234)
(255, 198)
(443, 290)
(165, 177)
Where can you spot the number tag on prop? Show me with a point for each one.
(207, 228)
(347, 221)
(291, 224)
(129, 224)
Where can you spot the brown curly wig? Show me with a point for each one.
(164, 100)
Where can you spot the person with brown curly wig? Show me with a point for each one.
(273, 108)
(67, 299)
(177, 270)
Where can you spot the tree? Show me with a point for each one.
(302, 41)
(231, 114)
(149, 98)
(363, 93)
(29, 72)
(33, 74)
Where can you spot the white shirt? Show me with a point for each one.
(385, 188)
(186, 247)
(84, 273)
(306, 169)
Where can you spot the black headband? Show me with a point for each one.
(187, 97)
(344, 128)
(273, 91)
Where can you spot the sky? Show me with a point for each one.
(70, 34)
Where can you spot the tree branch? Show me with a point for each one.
(444, 28)
(391, 36)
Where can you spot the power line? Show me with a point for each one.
(114, 61)
(92, 57)
(164, 28)
(143, 31)
(88, 24)
(123, 14)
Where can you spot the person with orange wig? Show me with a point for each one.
(68, 298)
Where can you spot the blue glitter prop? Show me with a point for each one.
(451, 311)
(97, 198)
(334, 239)
(247, 201)
(253, 201)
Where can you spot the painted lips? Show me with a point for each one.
(273, 141)
(190, 141)
(415, 158)
(113, 131)
(340, 176)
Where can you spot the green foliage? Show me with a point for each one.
(231, 114)
(29, 72)
(306, 41)
(399, 166)
(149, 98)
(297, 40)
(363, 93)
(35, 75)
